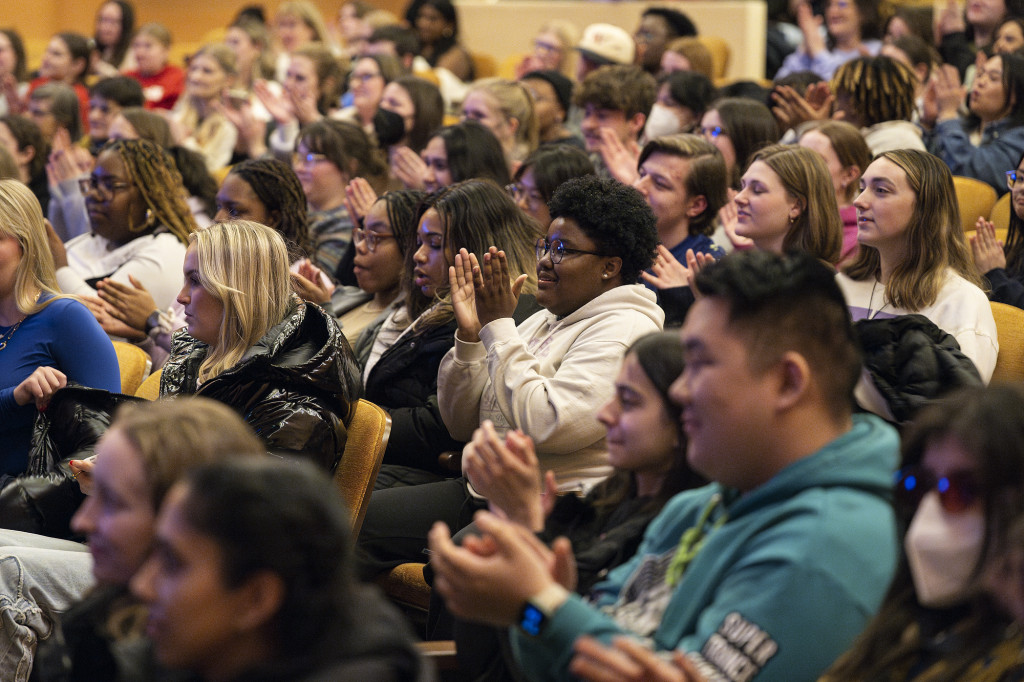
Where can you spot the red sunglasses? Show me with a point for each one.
(958, 491)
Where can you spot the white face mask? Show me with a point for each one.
(943, 550)
(662, 121)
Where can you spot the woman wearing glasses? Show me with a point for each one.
(961, 490)
(140, 225)
(1003, 264)
(401, 354)
(548, 376)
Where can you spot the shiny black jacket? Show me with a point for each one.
(295, 387)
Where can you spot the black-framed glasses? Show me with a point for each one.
(371, 239)
(1013, 177)
(558, 250)
(106, 186)
(362, 77)
(958, 491)
(712, 133)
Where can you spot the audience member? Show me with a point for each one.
(115, 24)
(30, 150)
(552, 50)
(249, 344)
(733, 574)
(437, 24)
(162, 82)
(683, 97)
(738, 127)
(996, 105)
(13, 72)
(658, 27)
(140, 224)
(603, 45)
(297, 24)
(106, 100)
(1001, 265)
(541, 174)
(197, 121)
(506, 109)
(646, 447)
(960, 490)
(454, 153)
(852, 30)
(366, 83)
(64, 594)
(46, 340)
(552, 99)
(421, 107)
(687, 54)
(55, 106)
(615, 101)
(846, 155)
(913, 258)
(267, 590)
(66, 61)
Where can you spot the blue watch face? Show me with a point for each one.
(532, 620)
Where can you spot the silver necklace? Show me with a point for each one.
(871, 300)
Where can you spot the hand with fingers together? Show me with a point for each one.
(619, 158)
(627, 660)
(489, 578)
(507, 472)
(359, 197)
(987, 250)
(409, 168)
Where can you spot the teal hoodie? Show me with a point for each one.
(781, 586)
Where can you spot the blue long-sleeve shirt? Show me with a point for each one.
(63, 335)
(1001, 147)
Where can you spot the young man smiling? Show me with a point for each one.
(770, 571)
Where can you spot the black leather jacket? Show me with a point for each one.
(294, 387)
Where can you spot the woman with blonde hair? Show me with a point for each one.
(200, 124)
(46, 339)
(914, 257)
(787, 204)
(506, 109)
(251, 344)
(846, 155)
(297, 24)
(552, 50)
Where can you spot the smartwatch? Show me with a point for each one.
(539, 608)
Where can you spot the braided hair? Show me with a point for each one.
(153, 172)
(278, 188)
(879, 89)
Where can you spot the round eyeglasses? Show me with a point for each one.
(371, 239)
(557, 250)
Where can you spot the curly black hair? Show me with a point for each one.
(615, 216)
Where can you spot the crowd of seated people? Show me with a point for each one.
(648, 343)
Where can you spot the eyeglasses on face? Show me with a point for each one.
(519, 192)
(1013, 177)
(309, 159)
(106, 186)
(712, 133)
(958, 491)
(371, 239)
(558, 250)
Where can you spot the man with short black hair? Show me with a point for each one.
(770, 571)
(658, 27)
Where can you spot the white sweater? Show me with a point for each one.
(548, 377)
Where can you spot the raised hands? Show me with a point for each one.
(943, 96)
(667, 272)
(279, 106)
(506, 471)
(620, 159)
(987, 250)
(66, 161)
(791, 108)
(311, 284)
(359, 197)
(409, 168)
(482, 294)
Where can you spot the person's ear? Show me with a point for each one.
(274, 217)
(612, 268)
(794, 374)
(257, 600)
(698, 205)
(849, 175)
(513, 124)
(635, 124)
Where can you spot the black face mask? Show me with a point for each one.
(389, 126)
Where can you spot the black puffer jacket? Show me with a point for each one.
(45, 497)
(404, 382)
(913, 362)
(294, 387)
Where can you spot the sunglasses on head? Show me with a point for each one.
(958, 490)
